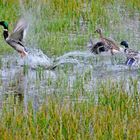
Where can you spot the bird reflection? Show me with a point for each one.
(14, 84)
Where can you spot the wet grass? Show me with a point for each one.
(59, 26)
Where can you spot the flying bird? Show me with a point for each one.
(15, 39)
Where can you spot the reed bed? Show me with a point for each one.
(105, 114)
(57, 27)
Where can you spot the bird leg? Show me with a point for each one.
(23, 54)
(112, 51)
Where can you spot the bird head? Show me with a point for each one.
(4, 24)
(124, 43)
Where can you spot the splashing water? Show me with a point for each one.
(80, 59)
(36, 57)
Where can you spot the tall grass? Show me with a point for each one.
(115, 115)
(108, 112)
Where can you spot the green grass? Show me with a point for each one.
(55, 21)
(78, 115)
(60, 26)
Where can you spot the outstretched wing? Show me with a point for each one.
(98, 47)
(19, 30)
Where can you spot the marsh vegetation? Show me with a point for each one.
(87, 96)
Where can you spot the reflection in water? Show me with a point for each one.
(19, 85)
(13, 83)
(21, 82)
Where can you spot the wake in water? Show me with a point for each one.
(36, 58)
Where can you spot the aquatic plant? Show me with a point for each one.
(88, 100)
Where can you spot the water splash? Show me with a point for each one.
(36, 57)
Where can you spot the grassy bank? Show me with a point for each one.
(110, 111)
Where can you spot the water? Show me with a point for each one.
(31, 80)
(30, 70)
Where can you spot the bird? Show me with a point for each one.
(108, 43)
(15, 39)
(97, 48)
(131, 55)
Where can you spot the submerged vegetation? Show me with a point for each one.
(108, 109)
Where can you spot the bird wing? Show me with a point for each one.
(95, 47)
(9, 40)
(130, 61)
(111, 43)
(131, 53)
(19, 30)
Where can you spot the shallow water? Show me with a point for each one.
(31, 79)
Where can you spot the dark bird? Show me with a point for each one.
(15, 39)
(97, 48)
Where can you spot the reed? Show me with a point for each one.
(109, 111)
(114, 116)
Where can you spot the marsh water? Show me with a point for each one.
(32, 80)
